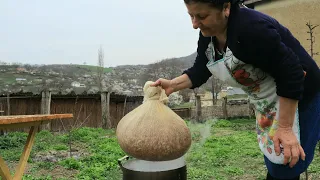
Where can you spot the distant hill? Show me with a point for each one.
(68, 78)
(188, 60)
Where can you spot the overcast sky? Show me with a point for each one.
(71, 31)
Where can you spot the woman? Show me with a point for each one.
(248, 49)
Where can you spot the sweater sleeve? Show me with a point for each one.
(199, 73)
(263, 41)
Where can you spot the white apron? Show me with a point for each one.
(261, 90)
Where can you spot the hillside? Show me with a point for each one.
(64, 79)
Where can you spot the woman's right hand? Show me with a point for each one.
(173, 85)
(166, 84)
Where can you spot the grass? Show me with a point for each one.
(220, 150)
(94, 68)
(7, 78)
(225, 152)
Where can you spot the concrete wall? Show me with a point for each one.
(234, 111)
(294, 14)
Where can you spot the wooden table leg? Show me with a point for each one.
(4, 170)
(25, 154)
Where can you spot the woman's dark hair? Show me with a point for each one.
(214, 3)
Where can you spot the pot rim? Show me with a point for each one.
(134, 164)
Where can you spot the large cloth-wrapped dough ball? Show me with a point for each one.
(152, 131)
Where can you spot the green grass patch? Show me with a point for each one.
(9, 78)
(94, 68)
(70, 163)
(221, 149)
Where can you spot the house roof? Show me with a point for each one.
(235, 90)
(113, 97)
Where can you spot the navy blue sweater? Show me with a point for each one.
(261, 41)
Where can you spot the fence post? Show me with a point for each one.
(104, 109)
(8, 104)
(198, 108)
(224, 108)
(124, 106)
(109, 124)
(251, 110)
(45, 107)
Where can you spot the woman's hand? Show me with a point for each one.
(166, 84)
(176, 84)
(291, 147)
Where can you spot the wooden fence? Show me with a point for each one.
(184, 113)
(85, 108)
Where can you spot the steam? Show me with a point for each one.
(205, 132)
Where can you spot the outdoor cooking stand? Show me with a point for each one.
(135, 169)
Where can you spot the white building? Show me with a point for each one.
(21, 79)
(75, 84)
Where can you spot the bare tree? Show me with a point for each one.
(105, 89)
(61, 85)
(100, 68)
(213, 85)
(312, 38)
(28, 67)
(44, 85)
(185, 93)
(75, 125)
(217, 87)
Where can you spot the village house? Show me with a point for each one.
(21, 70)
(20, 79)
(77, 84)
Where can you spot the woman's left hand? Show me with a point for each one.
(291, 147)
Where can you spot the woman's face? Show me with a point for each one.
(211, 21)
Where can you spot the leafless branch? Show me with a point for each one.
(312, 38)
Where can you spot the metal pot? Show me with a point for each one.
(135, 169)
